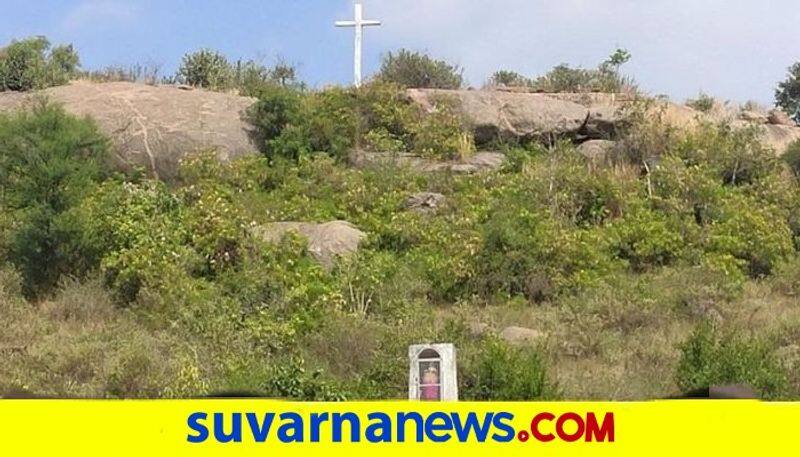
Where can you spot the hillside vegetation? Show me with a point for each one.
(669, 267)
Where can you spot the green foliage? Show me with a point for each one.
(418, 70)
(212, 70)
(32, 64)
(290, 380)
(502, 373)
(605, 78)
(787, 95)
(646, 239)
(205, 68)
(703, 103)
(49, 162)
(377, 117)
(792, 157)
(710, 357)
(509, 78)
(758, 235)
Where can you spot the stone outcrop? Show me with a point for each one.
(425, 202)
(326, 242)
(509, 115)
(596, 151)
(476, 163)
(779, 117)
(521, 336)
(154, 127)
(506, 114)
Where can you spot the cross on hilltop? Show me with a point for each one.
(358, 24)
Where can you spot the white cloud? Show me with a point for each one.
(94, 13)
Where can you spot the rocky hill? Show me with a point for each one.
(153, 127)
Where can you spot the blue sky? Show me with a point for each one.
(734, 49)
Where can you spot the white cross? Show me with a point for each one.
(359, 23)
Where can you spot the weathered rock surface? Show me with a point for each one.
(482, 161)
(509, 115)
(779, 117)
(425, 202)
(588, 116)
(779, 137)
(326, 242)
(154, 127)
(753, 117)
(597, 151)
(521, 336)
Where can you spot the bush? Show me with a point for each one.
(756, 234)
(417, 70)
(703, 103)
(498, 372)
(377, 117)
(787, 95)
(792, 157)
(710, 358)
(509, 78)
(207, 69)
(605, 78)
(49, 162)
(646, 239)
(32, 64)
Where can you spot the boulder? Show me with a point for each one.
(753, 117)
(154, 127)
(779, 117)
(597, 151)
(326, 241)
(482, 161)
(496, 114)
(521, 336)
(779, 137)
(425, 202)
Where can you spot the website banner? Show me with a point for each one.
(263, 427)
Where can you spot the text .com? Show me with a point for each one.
(378, 427)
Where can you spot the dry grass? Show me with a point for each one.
(621, 341)
(78, 345)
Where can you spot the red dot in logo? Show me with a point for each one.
(523, 436)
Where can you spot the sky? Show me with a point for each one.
(733, 49)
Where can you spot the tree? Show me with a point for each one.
(49, 162)
(417, 70)
(787, 95)
(31, 64)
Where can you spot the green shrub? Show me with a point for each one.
(792, 157)
(289, 379)
(32, 64)
(417, 70)
(498, 372)
(376, 117)
(756, 234)
(737, 156)
(509, 79)
(49, 162)
(710, 358)
(787, 95)
(646, 239)
(207, 69)
(442, 134)
(703, 103)
(605, 78)
(138, 234)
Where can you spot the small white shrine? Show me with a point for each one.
(432, 373)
